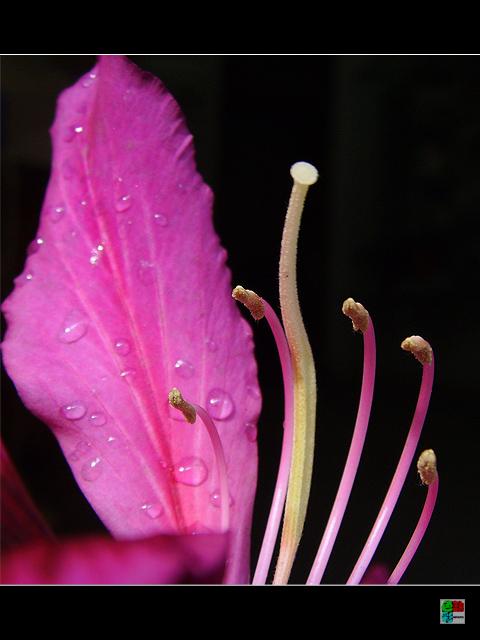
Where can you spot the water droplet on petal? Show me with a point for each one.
(251, 432)
(216, 499)
(114, 443)
(146, 272)
(70, 132)
(160, 220)
(184, 369)
(73, 328)
(123, 203)
(74, 410)
(56, 212)
(88, 79)
(122, 347)
(153, 510)
(253, 390)
(96, 254)
(129, 374)
(34, 246)
(220, 404)
(211, 346)
(98, 419)
(191, 471)
(91, 470)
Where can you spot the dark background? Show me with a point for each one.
(393, 222)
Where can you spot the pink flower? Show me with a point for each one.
(125, 294)
(124, 338)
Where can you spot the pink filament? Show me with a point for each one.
(399, 476)
(221, 465)
(276, 510)
(353, 459)
(418, 534)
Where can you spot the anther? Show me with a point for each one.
(427, 466)
(420, 349)
(177, 402)
(251, 300)
(357, 313)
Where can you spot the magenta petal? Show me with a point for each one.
(126, 294)
(101, 560)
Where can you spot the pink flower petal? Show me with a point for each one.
(101, 560)
(126, 294)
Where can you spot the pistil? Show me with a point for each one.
(304, 379)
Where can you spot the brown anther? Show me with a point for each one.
(177, 402)
(357, 313)
(420, 349)
(251, 300)
(427, 466)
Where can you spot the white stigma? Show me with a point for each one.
(304, 173)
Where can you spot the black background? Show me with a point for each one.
(392, 222)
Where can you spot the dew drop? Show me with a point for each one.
(74, 410)
(253, 390)
(81, 450)
(57, 212)
(88, 79)
(70, 133)
(98, 419)
(114, 443)
(211, 346)
(96, 254)
(91, 470)
(123, 204)
(160, 220)
(122, 347)
(220, 404)
(184, 369)
(153, 511)
(129, 374)
(73, 328)
(216, 499)
(251, 432)
(34, 246)
(146, 272)
(190, 471)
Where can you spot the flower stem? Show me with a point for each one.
(304, 379)
(363, 322)
(422, 350)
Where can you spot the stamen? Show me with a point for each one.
(357, 313)
(361, 322)
(190, 410)
(252, 300)
(177, 402)
(427, 468)
(422, 350)
(304, 379)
